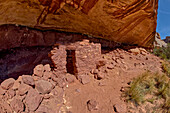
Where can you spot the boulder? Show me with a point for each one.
(130, 21)
(47, 75)
(143, 51)
(58, 92)
(44, 109)
(47, 68)
(16, 85)
(23, 89)
(39, 70)
(17, 105)
(2, 91)
(100, 76)
(4, 107)
(8, 83)
(92, 105)
(135, 51)
(52, 105)
(28, 79)
(110, 66)
(100, 63)
(61, 82)
(85, 79)
(94, 71)
(54, 77)
(43, 86)
(70, 78)
(11, 93)
(33, 99)
(120, 108)
(52, 82)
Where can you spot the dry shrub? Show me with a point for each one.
(148, 83)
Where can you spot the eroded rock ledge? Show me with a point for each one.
(12, 36)
(130, 21)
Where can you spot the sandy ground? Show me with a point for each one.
(107, 91)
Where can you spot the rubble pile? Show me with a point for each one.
(41, 92)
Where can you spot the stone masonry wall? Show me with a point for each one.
(86, 56)
(58, 57)
(24, 43)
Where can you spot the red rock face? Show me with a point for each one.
(88, 5)
(130, 21)
(54, 5)
(12, 36)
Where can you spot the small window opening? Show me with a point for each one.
(71, 62)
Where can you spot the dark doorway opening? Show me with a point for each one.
(71, 62)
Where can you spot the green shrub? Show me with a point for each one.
(163, 52)
(166, 68)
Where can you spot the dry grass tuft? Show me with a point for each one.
(155, 85)
(166, 68)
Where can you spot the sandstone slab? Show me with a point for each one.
(70, 78)
(47, 68)
(28, 79)
(100, 75)
(61, 82)
(120, 108)
(135, 51)
(17, 105)
(58, 92)
(39, 70)
(6, 84)
(23, 89)
(43, 86)
(33, 99)
(44, 109)
(4, 107)
(2, 91)
(85, 79)
(16, 85)
(11, 93)
(47, 75)
(92, 105)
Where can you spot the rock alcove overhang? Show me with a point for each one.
(130, 21)
(22, 48)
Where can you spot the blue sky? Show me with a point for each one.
(163, 22)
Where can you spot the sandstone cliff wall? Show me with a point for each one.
(127, 21)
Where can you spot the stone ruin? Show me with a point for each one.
(43, 91)
(22, 48)
(77, 58)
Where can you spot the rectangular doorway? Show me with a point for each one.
(71, 62)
